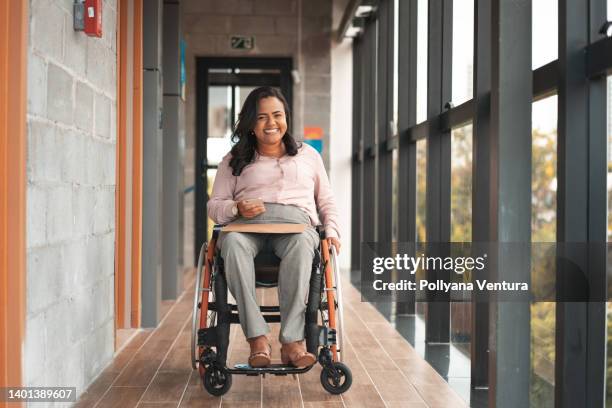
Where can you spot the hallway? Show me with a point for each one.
(459, 122)
(153, 369)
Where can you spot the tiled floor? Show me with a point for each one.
(153, 369)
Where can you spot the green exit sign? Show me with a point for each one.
(242, 43)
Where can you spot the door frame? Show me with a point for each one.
(13, 138)
(203, 80)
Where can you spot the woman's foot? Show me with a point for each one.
(296, 354)
(260, 351)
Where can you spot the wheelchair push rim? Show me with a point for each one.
(200, 304)
(340, 307)
(195, 314)
(330, 290)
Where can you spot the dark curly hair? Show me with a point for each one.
(243, 152)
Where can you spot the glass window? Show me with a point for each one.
(609, 127)
(544, 170)
(395, 59)
(394, 204)
(219, 123)
(421, 173)
(609, 304)
(421, 206)
(421, 108)
(463, 51)
(219, 110)
(241, 93)
(461, 226)
(543, 229)
(210, 176)
(544, 32)
(461, 184)
(394, 197)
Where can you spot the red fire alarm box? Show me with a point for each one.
(93, 18)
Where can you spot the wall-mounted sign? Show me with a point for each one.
(239, 42)
(313, 136)
(313, 133)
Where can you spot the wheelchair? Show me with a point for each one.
(213, 315)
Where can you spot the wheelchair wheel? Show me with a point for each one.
(336, 380)
(198, 303)
(217, 381)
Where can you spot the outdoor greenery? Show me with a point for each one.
(543, 229)
(461, 184)
(461, 223)
(421, 209)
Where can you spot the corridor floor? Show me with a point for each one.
(153, 371)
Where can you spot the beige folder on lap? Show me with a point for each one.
(265, 228)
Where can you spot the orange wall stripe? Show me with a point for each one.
(137, 168)
(120, 198)
(4, 35)
(13, 99)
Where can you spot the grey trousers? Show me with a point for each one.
(296, 252)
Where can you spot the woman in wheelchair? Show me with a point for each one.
(270, 178)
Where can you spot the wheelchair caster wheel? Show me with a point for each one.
(336, 379)
(217, 381)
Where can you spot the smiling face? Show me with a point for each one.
(271, 123)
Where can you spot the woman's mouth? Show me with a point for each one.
(270, 131)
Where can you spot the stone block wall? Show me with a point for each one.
(70, 197)
(300, 29)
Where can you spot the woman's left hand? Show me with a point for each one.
(335, 242)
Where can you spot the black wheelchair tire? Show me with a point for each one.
(345, 381)
(211, 381)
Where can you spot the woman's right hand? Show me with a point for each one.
(248, 209)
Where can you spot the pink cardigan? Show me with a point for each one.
(298, 180)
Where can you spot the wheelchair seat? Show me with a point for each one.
(266, 269)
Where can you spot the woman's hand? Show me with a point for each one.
(249, 209)
(335, 242)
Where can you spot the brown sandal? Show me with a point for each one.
(296, 354)
(261, 352)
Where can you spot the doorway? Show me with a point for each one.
(222, 86)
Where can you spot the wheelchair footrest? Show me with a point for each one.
(212, 307)
(275, 369)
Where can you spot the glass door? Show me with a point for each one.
(223, 86)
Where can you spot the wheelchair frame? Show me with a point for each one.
(212, 317)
